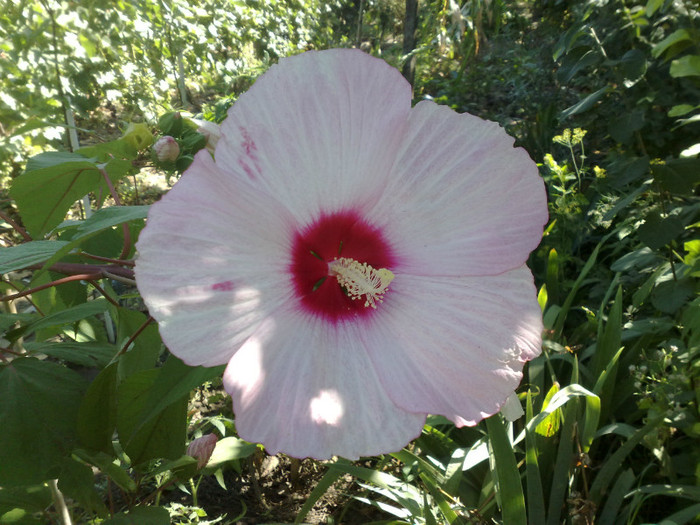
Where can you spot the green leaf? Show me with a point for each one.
(510, 487)
(687, 66)
(108, 217)
(230, 449)
(681, 109)
(610, 513)
(70, 315)
(678, 176)
(653, 6)
(23, 255)
(609, 342)
(141, 516)
(97, 416)
(38, 410)
(614, 462)
(533, 477)
(550, 425)
(176, 379)
(106, 463)
(88, 354)
(586, 103)
(171, 124)
(145, 349)
(77, 482)
(678, 36)
(54, 181)
(657, 232)
(163, 436)
(622, 129)
(562, 466)
(633, 65)
(669, 296)
(26, 500)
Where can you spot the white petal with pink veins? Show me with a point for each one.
(319, 131)
(455, 347)
(307, 388)
(461, 200)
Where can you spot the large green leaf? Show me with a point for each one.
(163, 436)
(97, 416)
(53, 181)
(175, 380)
(90, 354)
(23, 255)
(69, 315)
(657, 231)
(677, 37)
(687, 66)
(38, 409)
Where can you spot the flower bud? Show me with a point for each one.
(202, 448)
(211, 130)
(166, 149)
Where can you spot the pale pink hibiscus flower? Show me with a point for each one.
(358, 263)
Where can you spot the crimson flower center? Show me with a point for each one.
(340, 266)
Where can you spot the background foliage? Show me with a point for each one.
(95, 415)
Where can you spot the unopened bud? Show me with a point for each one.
(211, 130)
(166, 149)
(202, 448)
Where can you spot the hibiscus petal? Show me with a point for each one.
(455, 347)
(462, 200)
(318, 131)
(212, 263)
(308, 389)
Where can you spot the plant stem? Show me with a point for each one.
(60, 503)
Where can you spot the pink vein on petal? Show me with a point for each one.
(226, 286)
(250, 150)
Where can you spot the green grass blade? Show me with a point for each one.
(535, 494)
(322, 486)
(562, 466)
(611, 511)
(614, 463)
(509, 484)
(561, 318)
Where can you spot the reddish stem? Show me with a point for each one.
(127, 262)
(70, 278)
(135, 335)
(73, 268)
(16, 226)
(125, 227)
(104, 294)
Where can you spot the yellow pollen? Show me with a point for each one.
(360, 279)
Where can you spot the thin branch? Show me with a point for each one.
(15, 226)
(103, 292)
(70, 278)
(123, 262)
(135, 335)
(125, 227)
(125, 280)
(74, 268)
